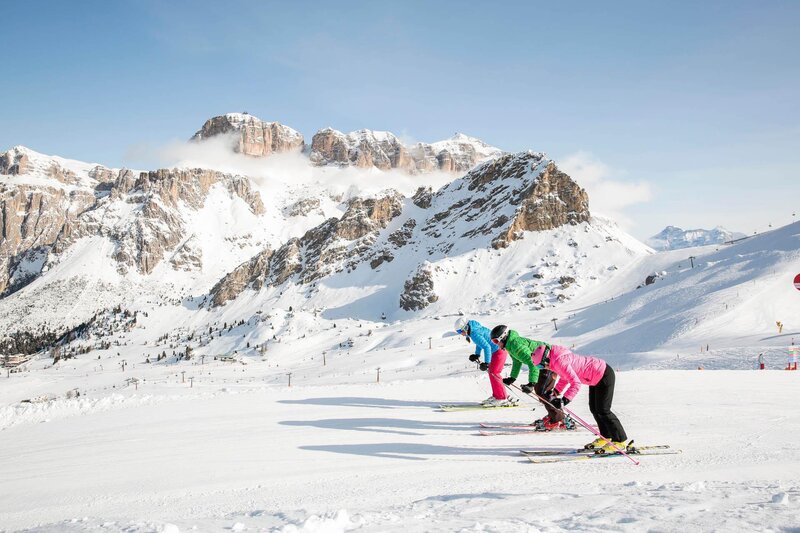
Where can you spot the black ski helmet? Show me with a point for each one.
(499, 333)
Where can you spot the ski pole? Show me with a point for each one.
(584, 424)
(508, 388)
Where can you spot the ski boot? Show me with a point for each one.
(544, 424)
(596, 444)
(569, 423)
(613, 447)
(494, 402)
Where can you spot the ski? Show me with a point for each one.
(590, 456)
(510, 425)
(522, 431)
(530, 431)
(473, 406)
(525, 427)
(584, 451)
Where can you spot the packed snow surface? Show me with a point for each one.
(237, 450)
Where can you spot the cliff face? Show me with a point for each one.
(383, 150)
(31, 220)
(502, 200)
(252, 136)
(363, 149)
(14, 162)
(47, 204)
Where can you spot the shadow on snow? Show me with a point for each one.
(382, 425)
(413, 452)
(354, 401)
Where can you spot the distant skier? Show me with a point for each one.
(761, 361)
(791, 360)
(540, 381)
(492, 360)
(575, 370)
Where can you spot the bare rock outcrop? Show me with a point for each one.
(31, 220)
(505, 198)
(552, 200)
(14, 162)
(250, 274)
(423, 198)
(383, 150)
(418, 291)
(252, 136)
(303, 207)
(362, 148)
(458, 154)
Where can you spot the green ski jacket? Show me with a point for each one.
(520, 350)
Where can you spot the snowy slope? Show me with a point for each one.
(734, 294)
(237, 451)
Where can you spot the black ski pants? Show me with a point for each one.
(600, 397)
(543, 386)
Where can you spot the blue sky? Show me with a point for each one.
(694, 103)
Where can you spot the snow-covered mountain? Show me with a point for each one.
(515, 232)
(674, 238)
(513, 239)
(251, 135)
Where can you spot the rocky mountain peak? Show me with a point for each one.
(503, 199)
(252, 136)
(385, 151)
(361, 148)
(15, 161)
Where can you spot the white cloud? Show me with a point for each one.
(607, 196)
(287, 169)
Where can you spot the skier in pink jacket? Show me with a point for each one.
(575, 370)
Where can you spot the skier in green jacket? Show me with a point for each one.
(540, 381)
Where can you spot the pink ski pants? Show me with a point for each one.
(495, 374)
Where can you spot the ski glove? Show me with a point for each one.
(527, 388)
(474, 357)
(484, 366)
(508, 381)
(558, 403)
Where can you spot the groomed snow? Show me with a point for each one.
(235, 453)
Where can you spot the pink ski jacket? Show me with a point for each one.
(572, 369)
